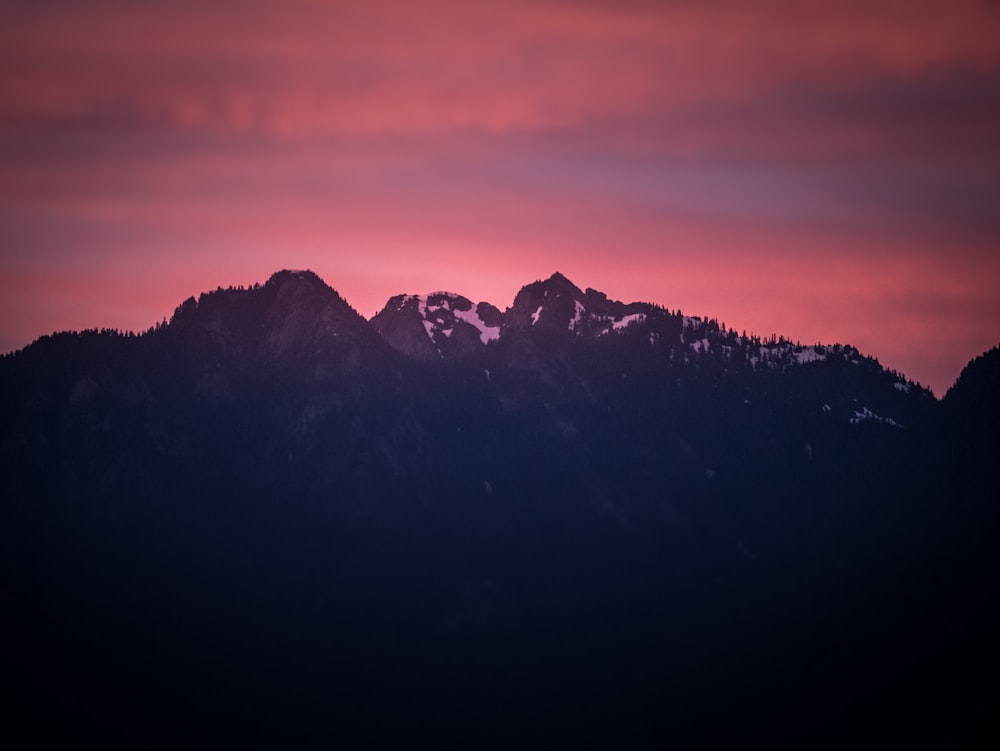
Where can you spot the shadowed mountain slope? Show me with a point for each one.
(574, 521)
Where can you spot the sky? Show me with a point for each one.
(828, 170)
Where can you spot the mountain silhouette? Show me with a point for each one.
(572, 521)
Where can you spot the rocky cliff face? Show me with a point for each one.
(438, 325)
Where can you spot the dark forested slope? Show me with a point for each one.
(576, 520)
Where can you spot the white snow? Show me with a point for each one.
(486, 333)
(626, 321)
(443, 301)
(901, 386)
(422, 310)
(536, 314)
(809, 354)
(577, 316)
(867, 414)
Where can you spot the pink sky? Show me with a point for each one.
(822, 170)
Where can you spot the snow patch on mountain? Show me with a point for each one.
(486, 333)
(809, 354)
(441, 311)
(865, 414)
(628, 320)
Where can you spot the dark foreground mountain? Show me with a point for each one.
(574, 522)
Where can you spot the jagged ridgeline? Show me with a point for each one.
(573, 519)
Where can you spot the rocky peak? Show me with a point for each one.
(553, 304)
(556, 304)
(293, 313)
(295, 277)
(440, 324)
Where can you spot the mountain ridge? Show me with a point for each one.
(584, 313)
(616, 523)
(591, 313)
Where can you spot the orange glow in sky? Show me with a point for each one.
(822, 170)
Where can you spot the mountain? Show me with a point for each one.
(574, 521)
(555, 312)
(439, 325)
(293, 318)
